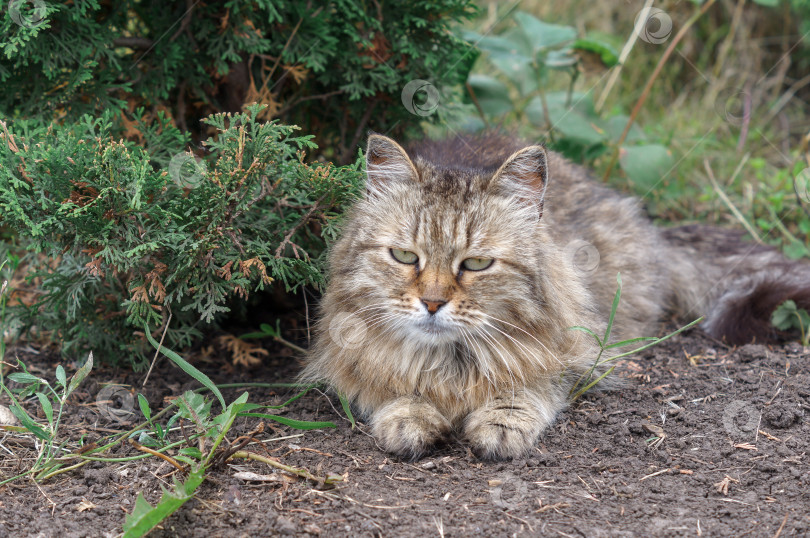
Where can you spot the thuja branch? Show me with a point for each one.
(305, 219)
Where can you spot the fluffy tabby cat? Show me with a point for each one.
(459, 273)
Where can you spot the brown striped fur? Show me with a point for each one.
(429, 349)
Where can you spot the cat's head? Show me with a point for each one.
(439, 253)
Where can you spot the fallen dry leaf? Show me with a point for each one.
(85, 505)
(722, 486)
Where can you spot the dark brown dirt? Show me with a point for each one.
(703, 440)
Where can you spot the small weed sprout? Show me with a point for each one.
(788, 317)
(586, 381)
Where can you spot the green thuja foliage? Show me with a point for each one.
(140, 187)
(335, 68)
(124, 241)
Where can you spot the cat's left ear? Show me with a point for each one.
(524, 175)
(387, 162)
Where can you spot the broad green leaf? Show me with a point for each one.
(268, 329)
(512, 55)
(560, 59)
(578, 122)
(144, 405)
(24, 378)
(542, 34)
(234, 409)
(492, 95)
(28, 423)
(185, 459)
(784, 315)
(191, 452)
(614, 127)
(510, 43)
(796, 250)
(646, 165)
(47, 407)
(61, 378)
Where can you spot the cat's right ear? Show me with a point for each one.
(386, 162)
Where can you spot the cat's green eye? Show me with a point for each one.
(477, 264)
(404, 256)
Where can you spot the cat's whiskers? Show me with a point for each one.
(494, 345)
(380, 319)
(527, 334)
(532, 353)
(482, 365)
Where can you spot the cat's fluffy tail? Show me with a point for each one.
(735, 284)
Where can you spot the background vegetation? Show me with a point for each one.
(161, 161)
(141, 190)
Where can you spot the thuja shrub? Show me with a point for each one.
(142, 188)
(122, 241)
(335, 68)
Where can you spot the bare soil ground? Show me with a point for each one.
(703, 440)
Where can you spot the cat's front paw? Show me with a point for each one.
(408, 427)
(502, 430)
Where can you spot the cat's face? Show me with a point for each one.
(442, 254)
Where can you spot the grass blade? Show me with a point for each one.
(613, 307)
(591, 384)
(631, 341)
(347, 408)
(292, 423)
(186, 367)
(656, 342)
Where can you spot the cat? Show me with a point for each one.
(458, 276)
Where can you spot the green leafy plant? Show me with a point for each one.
(198, 451)
(787, 317)
(606, 355)
(535, 59)
(50, 399)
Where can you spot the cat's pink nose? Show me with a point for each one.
(433, 306)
